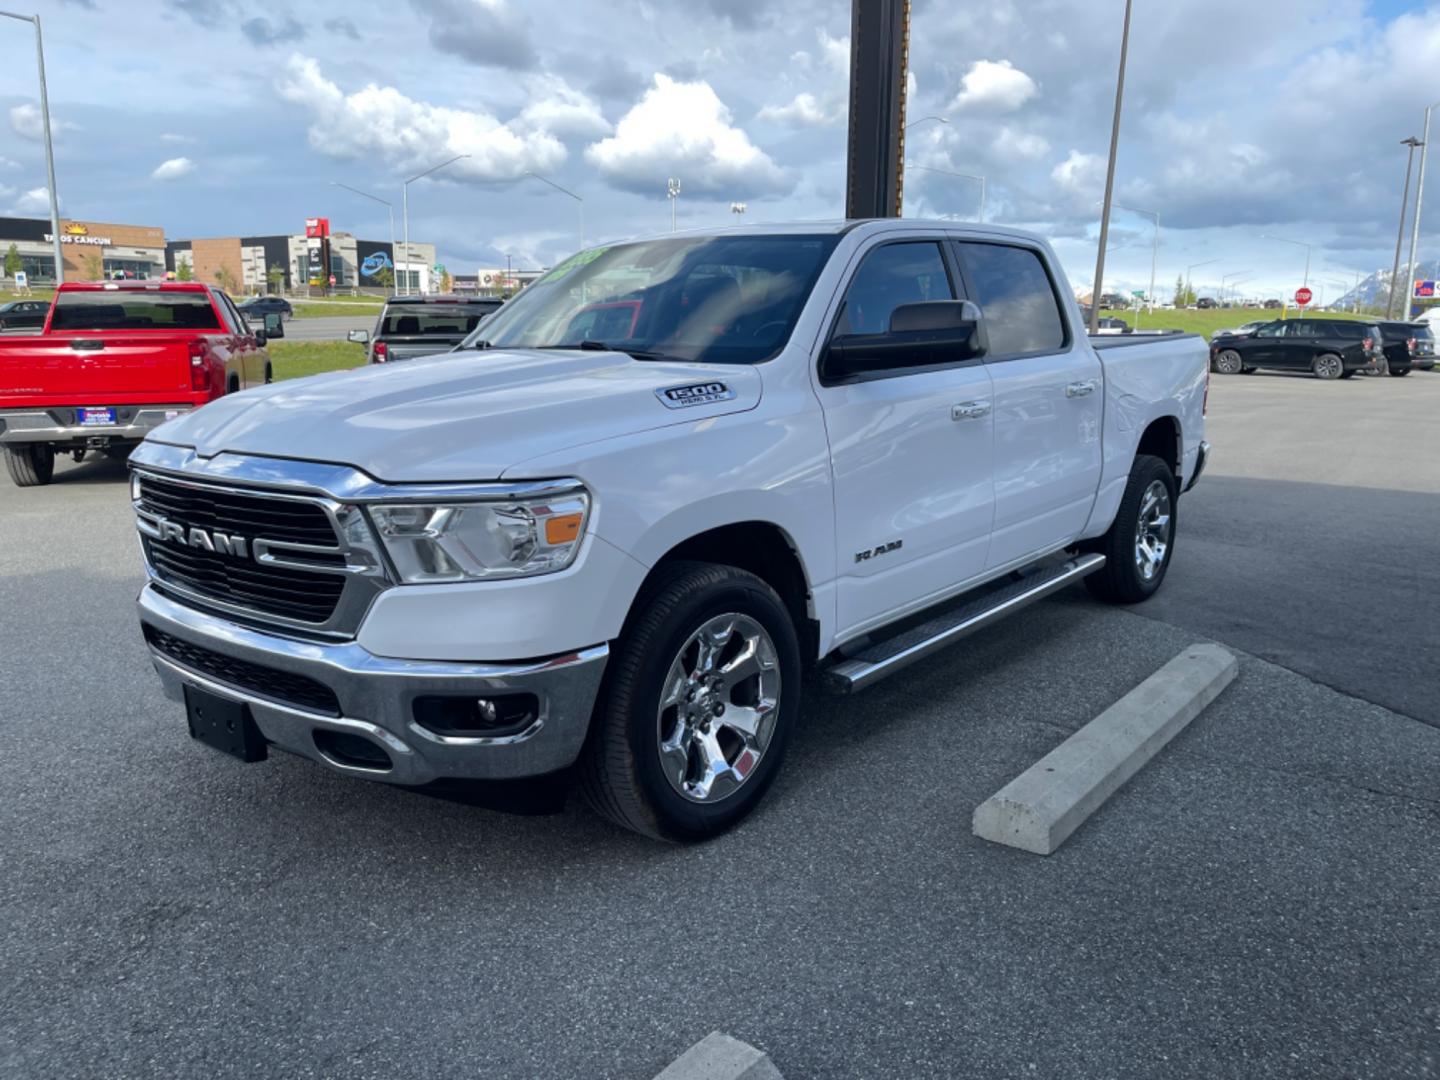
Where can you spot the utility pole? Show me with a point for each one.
(1098, 287)
(49, 144)
(1194, 266)
(879, 53)
(673, 187)
(1412, 143)
(1419, 200)
(405, 209)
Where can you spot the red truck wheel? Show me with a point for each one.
(31, 465)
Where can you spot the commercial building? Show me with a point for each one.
(90, 249)
(354, 263)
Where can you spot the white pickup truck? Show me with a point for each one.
(612, 529)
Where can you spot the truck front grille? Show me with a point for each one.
(196, 551)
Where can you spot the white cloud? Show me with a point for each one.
(557, 107)
(804, 110)
(382, 125)
(27, 122)
(998, 85)
(171, 137)
(683, 129)
(8, 165)
(1018, 145)
(836, 52)
(173, 169)
(1080, 172)
(35, 201)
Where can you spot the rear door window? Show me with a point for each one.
(133, 309)
(1017, 298)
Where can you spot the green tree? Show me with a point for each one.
(185, 271)
(385, 277)
(275, 276)
(12, 261)
(225, 279)
(446, 281)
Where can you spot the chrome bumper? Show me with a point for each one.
(38, 425)
(1200, 460)
(376, 697)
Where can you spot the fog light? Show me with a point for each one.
(468, 717)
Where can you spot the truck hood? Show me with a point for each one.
(462, 416)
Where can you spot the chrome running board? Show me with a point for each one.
(886, 657)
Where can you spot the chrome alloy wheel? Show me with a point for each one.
(1229, 363)
(1329, 367)
(718, 708)
(1152, 531)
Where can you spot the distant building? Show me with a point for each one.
(91, 249)
(354, 262)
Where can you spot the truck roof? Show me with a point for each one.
(133, 286)
(839, 226)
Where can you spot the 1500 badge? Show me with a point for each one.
(683, 397)
(883, 549)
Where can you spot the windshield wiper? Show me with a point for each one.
(589, 345)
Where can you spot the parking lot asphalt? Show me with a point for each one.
(328, 327)
(1259, 901)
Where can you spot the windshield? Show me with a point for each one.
(424, 320)
(711, 299)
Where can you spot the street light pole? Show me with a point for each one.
(1155, 249)
(962, 176)
(1412, 143)
(49, 143)
(672, 187)
(1304, 284)
(405, 205)
(566, 191)
(1097, 288)
(1194, 266)
(389, 209)
(1419, 200)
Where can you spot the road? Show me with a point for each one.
(1260, 901)
(328, 327)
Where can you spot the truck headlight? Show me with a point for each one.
(474, 541)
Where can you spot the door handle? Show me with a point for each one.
(1080, 389)
(970, 410)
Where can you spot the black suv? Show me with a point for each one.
(412, 326)
(1408, 345)
(1331, 348)
(24, 314)
(257, 307)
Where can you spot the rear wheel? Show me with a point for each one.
(700, 699)
(1140, 541)
(269, 375)
(1228, 362)
(1399, 372)
(233, 386)
(1328, 366)
(30, 464)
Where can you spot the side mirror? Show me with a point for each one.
(274, 325)
(920, 335)
(359, 337)
(260, 336)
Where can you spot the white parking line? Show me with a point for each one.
(1040, 808)
(719, 1057)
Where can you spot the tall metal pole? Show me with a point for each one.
(389, 209)
(1194, 266)
(405, 207)
(1419, 199)
(565, 191)
(1412, 143)
(49, 143)
(1110, 176)
(961, 175)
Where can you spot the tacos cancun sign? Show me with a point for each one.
(78, 234)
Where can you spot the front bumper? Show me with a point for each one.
(376, 695)
(56, 425)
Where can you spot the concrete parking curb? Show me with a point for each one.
(719, 1057)
(1040, 808)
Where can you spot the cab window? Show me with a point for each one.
(1017, 299)
(890, 276)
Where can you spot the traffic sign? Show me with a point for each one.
(1424, 289)
(1303, 297)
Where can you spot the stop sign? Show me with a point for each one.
(1302, 297)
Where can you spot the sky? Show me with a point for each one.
(1242, 118)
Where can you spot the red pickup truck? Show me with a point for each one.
(115, 360)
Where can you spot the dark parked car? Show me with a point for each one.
(259, 306)
(23, 314)
(1205, 303)
(412, 326)
(1331, 348)
(1405, 348)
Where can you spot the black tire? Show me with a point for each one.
(233, 386)
(1399, 372)
(269, 375)
(30, 465)
(1328, 366)
(620, 770)
(118, 453)
(1347, 374)
(1229, 362)
(1120, 581)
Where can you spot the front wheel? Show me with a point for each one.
(1141, 540)
(1328, 366)
(30, 464)
(1399, 372)
(1229, 362)
(698, 705)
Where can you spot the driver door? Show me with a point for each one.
(911, 451)
(1264, 347)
